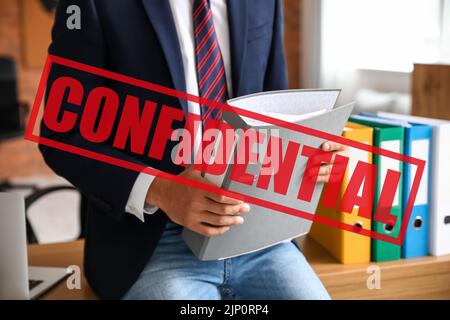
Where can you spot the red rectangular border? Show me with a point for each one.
(51, 59)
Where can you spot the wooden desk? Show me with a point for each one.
(421, 278)
(61, 255)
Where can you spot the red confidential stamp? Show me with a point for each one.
(136, 117)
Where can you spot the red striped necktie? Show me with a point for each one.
(211, 78)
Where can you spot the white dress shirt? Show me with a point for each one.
(182, 15)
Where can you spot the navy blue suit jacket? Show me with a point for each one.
(138, 38)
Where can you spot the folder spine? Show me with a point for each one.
(392, 138)
(417, 145)
(439, 214)
(347, 247)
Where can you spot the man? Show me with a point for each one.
(212, 48)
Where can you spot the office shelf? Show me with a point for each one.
(420, 278)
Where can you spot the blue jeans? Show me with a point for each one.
(280, 272)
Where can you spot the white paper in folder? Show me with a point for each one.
(288, 102)
(287, 105)
(281, 116)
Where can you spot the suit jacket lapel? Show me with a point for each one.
(237, 19)
(160, 15)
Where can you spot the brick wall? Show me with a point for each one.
(10, 45)
(9, 28)
(18, 157)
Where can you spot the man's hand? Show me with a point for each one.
(335, 148)
(204, 212)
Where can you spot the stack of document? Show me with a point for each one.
(434, 188)
(265, 227)
(428, 227)
(417, 143)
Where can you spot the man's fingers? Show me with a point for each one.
(226, 209)
(196, 175)
(333, 146)
(220, 198)
(219, 220)
(324, 179)
(316, 160)
(210, 231)
(324, 173)
(325, 170)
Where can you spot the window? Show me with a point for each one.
(368, 47)
(384, 34)
(445, 37)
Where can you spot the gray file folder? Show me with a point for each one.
(265, 227)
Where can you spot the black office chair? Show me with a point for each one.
(49, 5)
(12, 112)
(40, 193)
(36, 195)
